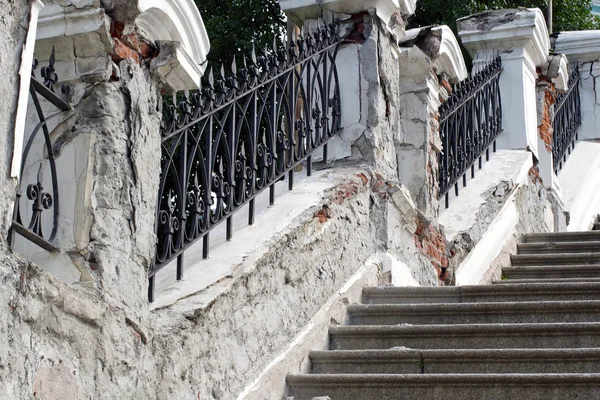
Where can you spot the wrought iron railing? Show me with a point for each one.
(239, 135)
(41, 199)
(470, 122)
(567, 119)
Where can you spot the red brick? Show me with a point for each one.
(122, 52)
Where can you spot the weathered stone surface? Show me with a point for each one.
(14, 15)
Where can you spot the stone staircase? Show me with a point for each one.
(535, 334)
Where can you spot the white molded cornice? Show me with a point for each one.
(579, 46)
(450, 59)
(389, 11)
(505, 30)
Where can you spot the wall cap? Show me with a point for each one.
(504, 30)
(579, 46)
(389, 11)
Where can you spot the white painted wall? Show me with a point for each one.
(580, 183)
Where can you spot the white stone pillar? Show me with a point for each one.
(520, 37)
(426, 53)
(583, 48)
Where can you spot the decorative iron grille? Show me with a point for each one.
(239, 135)
(470, 122)
(41, 199)
(567, 119)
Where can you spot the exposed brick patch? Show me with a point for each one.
(122, 52)
(358, 33)
(323, 214)
(116, 29)
(432, 243)
(546, 127)
(534, 175)
(130, 46)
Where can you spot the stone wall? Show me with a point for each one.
(76, 340)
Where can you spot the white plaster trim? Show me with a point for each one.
(582, 46)
(179, 21)
(562, 81)
(450, 58)
(501, 229)
(25, 82)
(475, 265)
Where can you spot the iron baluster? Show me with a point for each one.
(242, 133)
(567, 119)
(470, 121)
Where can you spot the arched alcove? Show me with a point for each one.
(177, 21)
(450, 59)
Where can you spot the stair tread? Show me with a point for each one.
(548, 281)
(533, 306)
(566, 236)
(483, 354)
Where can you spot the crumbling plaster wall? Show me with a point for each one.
(538, 210)
(62, 340)
(14, 16)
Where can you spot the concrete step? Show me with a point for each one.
(562, 237)
(550, 281)
(446, 386)
(475, 313)
(485, 361)
(559, 247)
(556, 259)
(552, 272)
(508, 291)
(471, 336)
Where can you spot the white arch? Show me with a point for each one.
(562, 80)
(450, 59)
(179, 21)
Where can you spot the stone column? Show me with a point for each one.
(520, 37)
(430, 59)
(117, 62)
(583, 49)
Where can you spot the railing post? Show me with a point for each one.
(583, 51)
(520, 38)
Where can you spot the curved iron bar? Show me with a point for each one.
(239, 135)
(41, 200)
(567, 119)
(470, 121)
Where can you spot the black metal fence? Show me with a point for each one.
(567, 119)
(239, 135)
(37, 193)
(470, 121)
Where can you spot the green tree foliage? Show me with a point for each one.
(569, 15)
(233, 25)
